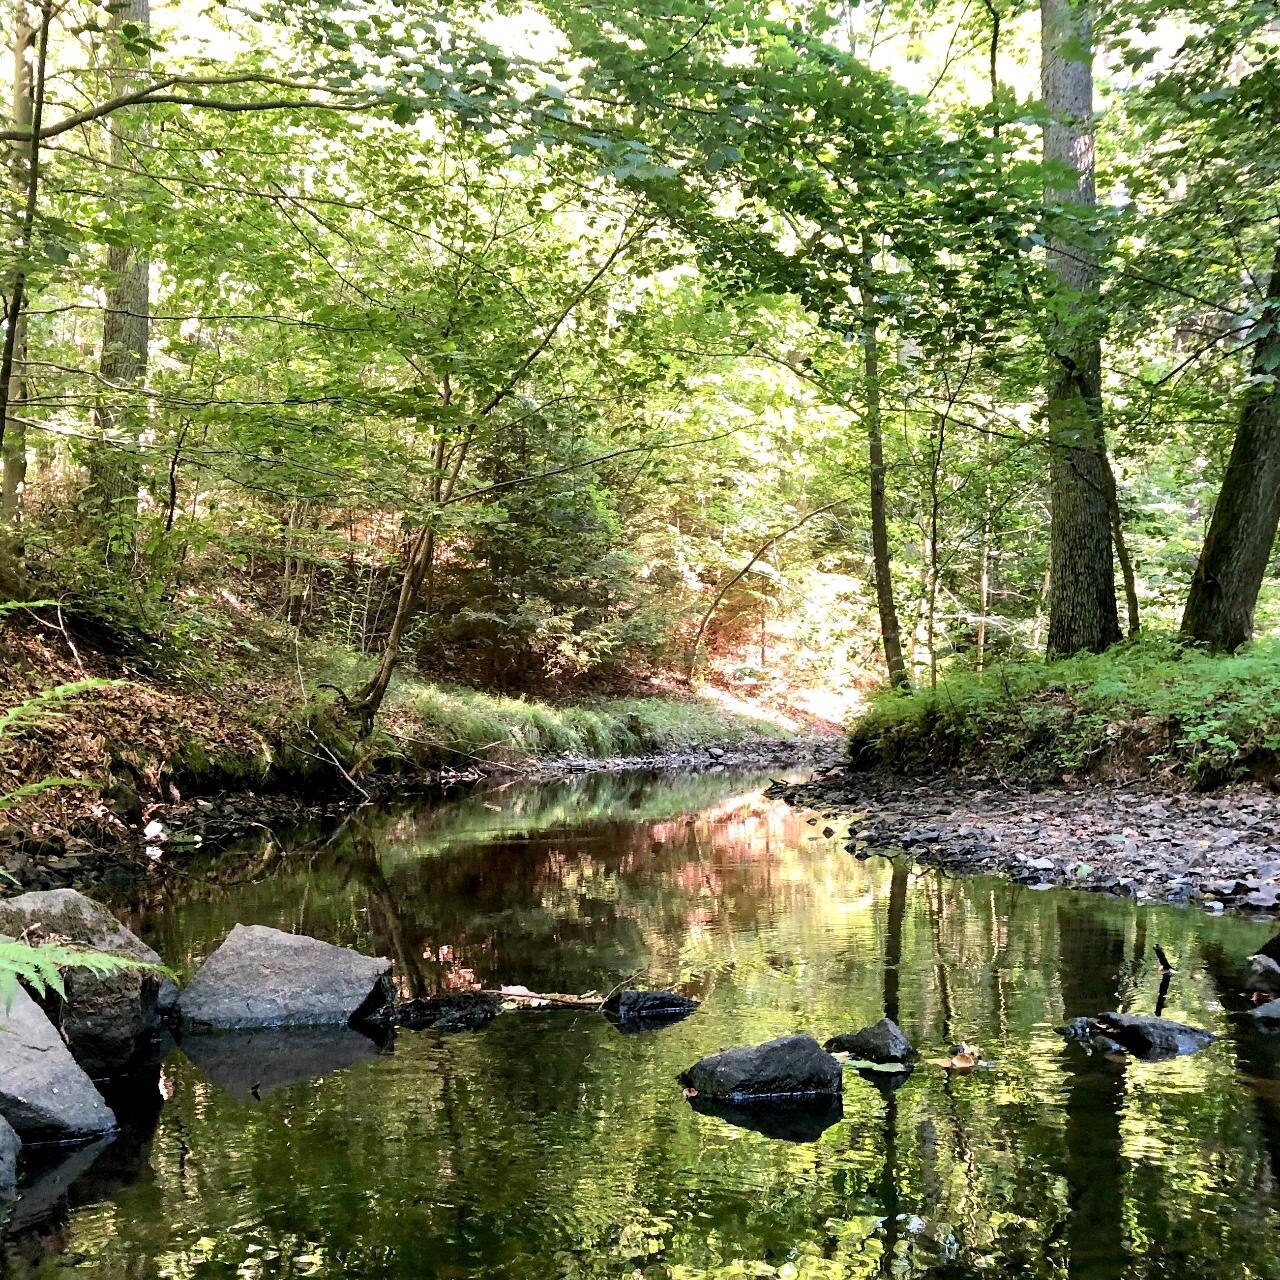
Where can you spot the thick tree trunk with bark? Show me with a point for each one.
(1082, 601)
(1242, 533)
(114, 471)
(890, 632)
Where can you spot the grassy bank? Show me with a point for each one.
(131, 739)
(1148, 708)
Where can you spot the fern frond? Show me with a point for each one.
(40, 968)
(40, 707)
(9, 799)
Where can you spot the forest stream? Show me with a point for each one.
(548, 1144)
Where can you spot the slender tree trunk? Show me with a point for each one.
(114, 471)
(890, 632)
(30, 62)
(13, 452)
(935, 511)
(1242, 533)
(1082, 602)
(1125, 561)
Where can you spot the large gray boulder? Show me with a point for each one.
(789, 1067)
(261, 977)
(10, 1146)
(107, 1019)
(44, 1094)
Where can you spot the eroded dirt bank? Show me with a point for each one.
(1217, 850)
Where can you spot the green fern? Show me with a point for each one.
(40, 967)
(40, 707)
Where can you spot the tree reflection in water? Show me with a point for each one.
(548, 1145)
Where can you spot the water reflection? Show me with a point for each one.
(548, 1145)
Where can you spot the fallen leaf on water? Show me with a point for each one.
(691, 1093)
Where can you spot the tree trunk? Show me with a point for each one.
(890, 632)
(28, 108)
(114, 471)
(1233, 561)
(1082, 601)
(1127, 574)
(13, 451)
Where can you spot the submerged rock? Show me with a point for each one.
(465, 1011)
(883, 1041)
(1152, 1038)
(49, 1181)
(251, 1064)
(1085, 1031)
(646, 1010)
(44, 1094)
(108, 1020)
(799, 1120)
(789, 1067)
(261, 977)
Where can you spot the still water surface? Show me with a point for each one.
(549, 1145)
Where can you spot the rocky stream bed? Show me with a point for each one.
(1216, 850)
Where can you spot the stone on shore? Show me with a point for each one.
(261, 977)
(789, 1067)
(107, 1019)
(44, 1094)
(883, 1041)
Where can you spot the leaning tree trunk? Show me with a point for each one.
(114, 471)
(13, 448)
(1082, 601)
(890, 632)
(1233, 561)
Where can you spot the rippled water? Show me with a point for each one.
(549, 1145)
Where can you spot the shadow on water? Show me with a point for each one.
(547, 1145)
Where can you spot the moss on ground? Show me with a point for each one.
(1150, 707)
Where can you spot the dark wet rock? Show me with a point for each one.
(1085, 1031)
(798, 1120)
(108, 1020)
(647, 1010)
(10, 1146)
(465, 1011)
(789, 1067)
(1152, 1038)
(261, 977)
(883, 1041)
(1264, 975)
(44, 1094)
(251, 1064)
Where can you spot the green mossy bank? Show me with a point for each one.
(1150, 708)
(123, 742)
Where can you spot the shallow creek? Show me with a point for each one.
(549, 1145)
